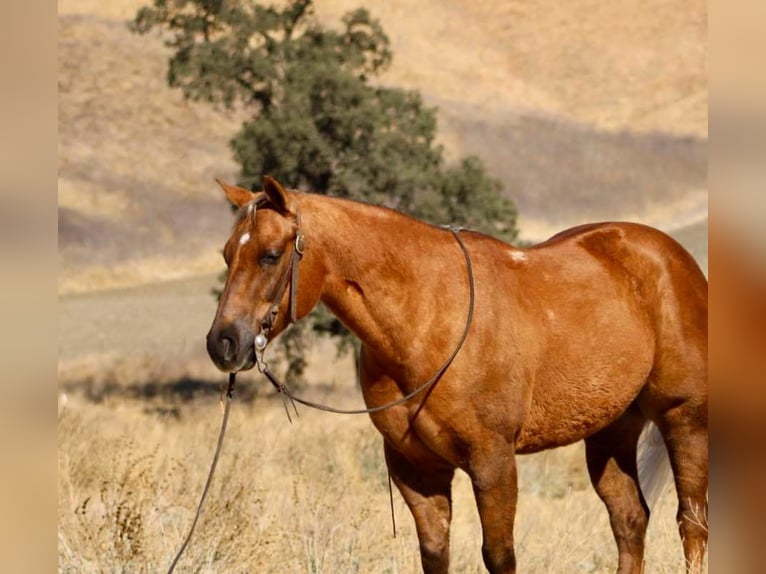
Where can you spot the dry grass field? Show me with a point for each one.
(310, 497)
(584, 110)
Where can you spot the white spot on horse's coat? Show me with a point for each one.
(518, 256)
(244, 238)
(551, 314)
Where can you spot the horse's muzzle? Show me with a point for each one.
(231, 347)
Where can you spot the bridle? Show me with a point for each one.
(290, 276)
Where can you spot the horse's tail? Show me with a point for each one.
(653, 463)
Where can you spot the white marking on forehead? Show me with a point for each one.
(244, 238)
(518, 256)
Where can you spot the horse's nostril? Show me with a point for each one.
(228, 348)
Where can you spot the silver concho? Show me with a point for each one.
(260, 341)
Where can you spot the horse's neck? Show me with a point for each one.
(377, 269)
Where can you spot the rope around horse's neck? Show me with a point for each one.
(224, 420)
(282, 388)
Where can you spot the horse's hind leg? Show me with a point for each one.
(684, 428)
(428, 494)
(676, 400)
(611, 457)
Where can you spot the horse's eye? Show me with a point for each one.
(270, 258)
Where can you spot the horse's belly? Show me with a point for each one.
(551, 422)
(580, 390)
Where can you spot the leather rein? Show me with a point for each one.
(291, 276)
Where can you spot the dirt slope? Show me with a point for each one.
(584, 110)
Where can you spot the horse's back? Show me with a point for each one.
(638, 252)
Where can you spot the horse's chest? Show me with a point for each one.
(421, 437)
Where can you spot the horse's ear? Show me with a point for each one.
(238, 196)
(276, 193)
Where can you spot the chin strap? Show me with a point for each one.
(260, 346)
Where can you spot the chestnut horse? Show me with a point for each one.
(590, 335)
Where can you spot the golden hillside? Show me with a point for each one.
(637, 65)
(584, 110)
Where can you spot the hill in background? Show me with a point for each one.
(584, 110)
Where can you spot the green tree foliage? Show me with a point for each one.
(319, 123)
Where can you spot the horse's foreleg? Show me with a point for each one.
(428, 494)
(611, 457)
(493, 474)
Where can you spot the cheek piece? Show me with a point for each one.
(289, 278)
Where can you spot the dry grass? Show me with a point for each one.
(307, 497)
(137, 427)
(150, 269)
(137, 196)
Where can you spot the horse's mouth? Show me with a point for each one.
(245, 363)
(248, 361)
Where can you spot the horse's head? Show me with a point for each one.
(260, 255)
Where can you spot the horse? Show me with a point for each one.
(593, 334)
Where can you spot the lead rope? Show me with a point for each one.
(224, 420)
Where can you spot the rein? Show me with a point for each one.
(261, 340)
